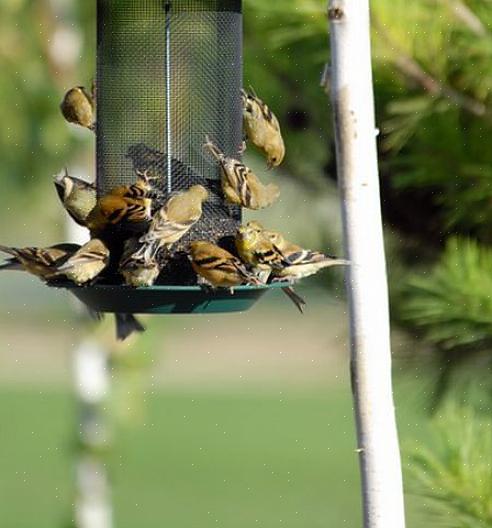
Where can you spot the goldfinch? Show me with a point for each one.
(86, 263)
(256, 250)
(137, 270)
(127, 208)
(77, 196)
(41, 262)
(181, 212)
(219, 267)
(297, 262)
(78, 107)
(240, 185)
(262, 128)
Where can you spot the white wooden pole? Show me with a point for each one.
(355, 134)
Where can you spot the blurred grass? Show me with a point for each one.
(200, 459)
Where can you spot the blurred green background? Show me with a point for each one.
(246, 420)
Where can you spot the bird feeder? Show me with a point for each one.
(169, 73)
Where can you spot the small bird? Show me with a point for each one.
(219, 267)
(256, 250)
(86, 263)
(240, 185)
(142, 188)
(41, 262)
(77, 196)
(78, 107)
(297, 262)
(137, 270)
(180, 213)
(262, 128)
(125, 208)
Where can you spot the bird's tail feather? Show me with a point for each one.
(11, 264)
(126, 325)
(336, 262)
(8, 250)
(295, 298)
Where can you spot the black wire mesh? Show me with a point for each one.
(145, 116)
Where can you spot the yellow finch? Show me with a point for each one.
(174, 220)
(41, 262)
(78, 107)
(86, 263)
(219, 267)
(240, 185)
(127, 207)
(262, 128)
(77, 196)
(256, 250)
(137, 270)
(297, 262)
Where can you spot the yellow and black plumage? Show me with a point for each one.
(218, 267)
(240, 185)
(127, 208)
(262, 128)
(256, 250)
(297, 262)
(41, 262)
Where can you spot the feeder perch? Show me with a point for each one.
(169, 73)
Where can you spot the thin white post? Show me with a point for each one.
(92, 379)
(355, 133)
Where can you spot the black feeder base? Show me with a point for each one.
(168, 299)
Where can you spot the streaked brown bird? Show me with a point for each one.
(181, 212)
(137, 270)
(297, 262)
(239, 184)
(77, 196)
(78, 107)
(86, 263)
(41, 262)
(256, 250)
(218, 267)
(262, 128)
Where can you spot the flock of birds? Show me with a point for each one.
(133, 227)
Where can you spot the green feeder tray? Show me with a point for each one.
(168, 299)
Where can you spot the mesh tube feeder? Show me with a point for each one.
(169, 73)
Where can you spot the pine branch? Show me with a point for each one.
(413, 71)
(463, 13)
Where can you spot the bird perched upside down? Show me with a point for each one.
(218, 267)
(78, 107)
(77, 196)
(41, 262)
(239, 184)
(262, 128)
(180, 213)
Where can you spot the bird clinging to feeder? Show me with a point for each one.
(262, 128)
(78, 107)
(239, 183)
